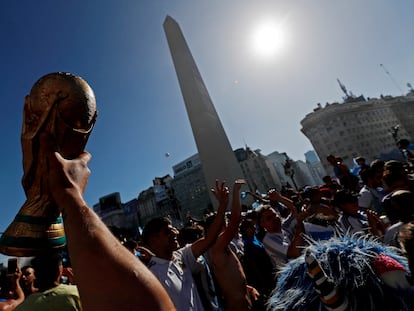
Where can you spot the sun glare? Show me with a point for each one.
(268, 39)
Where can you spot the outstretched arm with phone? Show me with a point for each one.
(14, 273)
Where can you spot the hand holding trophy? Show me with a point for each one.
(63, 106)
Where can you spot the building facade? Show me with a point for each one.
(110, 210)
(259, 172)
(147, 207)
(114, 213)
(191, 189)
(131, 213)
(360, 127)
(315, 165)
(305, 175)
(159, 201)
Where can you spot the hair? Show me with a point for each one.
(357, 159)
(330, 157)
(261, 211)
(154, 226)
(403, 143)
(342, 197)
(309, 192)
(393, 172)
(189, 235)
(377, 164)
(326, 178)
(400, 206)
(246, 224)
(26, 267)
(251, 214)
(47, 267)
(366, 173)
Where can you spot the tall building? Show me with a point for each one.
(305, 175)
(311, 156)
(191, 189)
(114, 213)
(131, 213)
(147, 207)
(159, 201)
(259, 171)
(360, 127)
(110, 210)
(315, 165)
(214, 149)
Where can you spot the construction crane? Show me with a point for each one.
(392, 79)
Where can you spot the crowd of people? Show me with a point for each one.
(233, 259)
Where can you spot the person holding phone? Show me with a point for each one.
(14, 294)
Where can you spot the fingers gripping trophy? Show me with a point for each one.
(63, 106)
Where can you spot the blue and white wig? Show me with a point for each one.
(344, 273)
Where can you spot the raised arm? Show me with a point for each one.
(258, 197)
(19, 291)
(97, 256)
(225, 238)
(275, 197)
(11, 304)
(222, 195)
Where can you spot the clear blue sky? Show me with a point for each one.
(119, 47)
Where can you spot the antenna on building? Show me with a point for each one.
(343, 88)
(410, 87)
(245, 144)
(392, 79)
(348, 95)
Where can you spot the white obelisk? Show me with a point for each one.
(216, 155)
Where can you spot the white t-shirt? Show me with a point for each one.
(318, 232)
(176, 277)
(391, 234)
(371, 199)
(351, 225)
(276, 246)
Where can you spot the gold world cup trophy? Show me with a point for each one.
(63, 106)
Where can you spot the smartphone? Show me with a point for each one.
(11, 266)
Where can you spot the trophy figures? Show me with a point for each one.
(62, 105)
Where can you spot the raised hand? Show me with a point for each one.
(273, 195)
(67, 177)
(221, 193)
(238, 183)
(378, 227)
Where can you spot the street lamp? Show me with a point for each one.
(289, 171)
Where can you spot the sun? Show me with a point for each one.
(268, 38)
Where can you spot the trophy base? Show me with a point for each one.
(29, 236)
